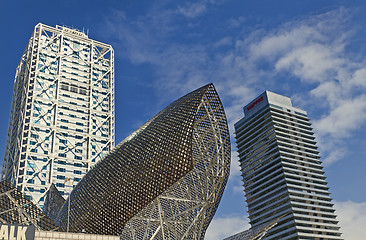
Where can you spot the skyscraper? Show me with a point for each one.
(62, 114)
(282, 172)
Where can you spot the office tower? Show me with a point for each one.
(282, 172)
(62, 113)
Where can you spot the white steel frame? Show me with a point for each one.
(62, 115)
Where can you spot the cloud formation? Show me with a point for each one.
(310, 50)
(352, 217)
(221, 228)
(192, 10)
(307, 57)
(313, 52)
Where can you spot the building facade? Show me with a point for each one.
(282, 173)
(62, 113)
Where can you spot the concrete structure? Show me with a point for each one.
(48, 235)
(21, 219)
(256, 233)
(62, 114)
(282, 171)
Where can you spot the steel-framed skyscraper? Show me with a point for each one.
(62, 114)
(282, 172)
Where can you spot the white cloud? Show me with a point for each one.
(234, 167)
(192, 10)
(343, 119)
(226, 41)
(358, 78)
(235, 22)
(328, 90)
(237, 186)
(313, 51)
(310, 63)
(278, 43)
(221, 228)
(310, 50)
(336, 153)
(352, 217)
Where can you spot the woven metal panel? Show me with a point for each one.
(185, 209)
(15, 208)
(53, 202)
(166, 178)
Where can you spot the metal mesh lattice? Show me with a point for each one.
(53, 202)
(15, 208)
(164, 181)
(185, 209)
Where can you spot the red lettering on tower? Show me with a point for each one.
(255, 103)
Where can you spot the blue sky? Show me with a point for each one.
(312, 51)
